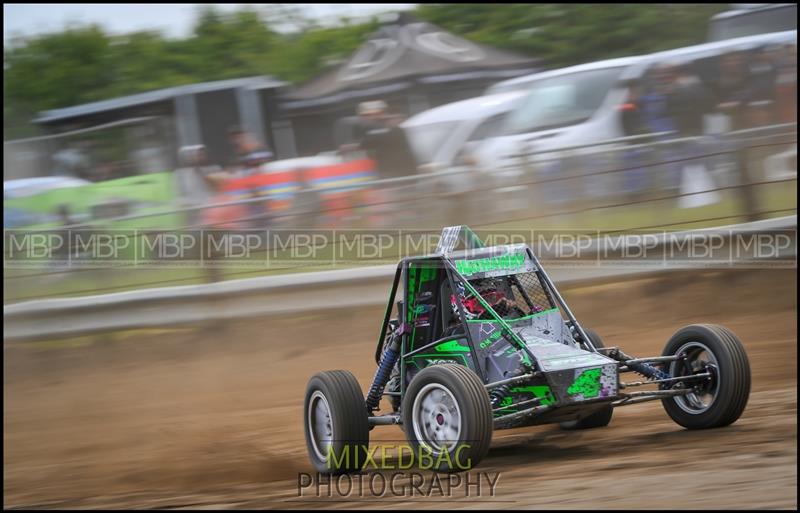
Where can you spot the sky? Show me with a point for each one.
(174, 20)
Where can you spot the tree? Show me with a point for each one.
(55, 70)
(84, 63)
(567, 34)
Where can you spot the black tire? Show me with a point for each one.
(730, 386)
(340, 392)
(600, 418)
(475, 417)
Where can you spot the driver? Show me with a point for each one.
(473, 309)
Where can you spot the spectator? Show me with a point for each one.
(633, 124)
(385, 142)
(655, 102)
(786, 83)
(658, 114)
(370, 116)
(731, 89)
(378, 133)
(250, 154)
(194, 179)
(690, 100)
(760, 92)
(631, 114)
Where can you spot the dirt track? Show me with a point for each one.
(212, 417)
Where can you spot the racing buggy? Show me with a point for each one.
(483, 340)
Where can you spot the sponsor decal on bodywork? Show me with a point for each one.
(452, 346)
(483, 265)
(595, 382)
(541, 391)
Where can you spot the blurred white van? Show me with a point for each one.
(442, 138)
(564, 107)
(577, 106)
(437, 135)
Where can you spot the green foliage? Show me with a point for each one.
(85, 63)
(567, 34)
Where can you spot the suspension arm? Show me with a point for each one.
(667, 380)
(640, 397)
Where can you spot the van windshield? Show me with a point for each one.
(562, 101)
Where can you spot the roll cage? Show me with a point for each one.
(429, 327)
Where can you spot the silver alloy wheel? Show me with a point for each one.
(320, 426)
(436, 418)
(700, 359)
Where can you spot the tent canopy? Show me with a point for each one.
(406, 52)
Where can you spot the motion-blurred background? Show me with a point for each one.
(142, 121)
(499, 116)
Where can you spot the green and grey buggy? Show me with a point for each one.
(482, 340)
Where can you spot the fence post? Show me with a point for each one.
(747, 195)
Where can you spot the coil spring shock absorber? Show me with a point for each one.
(648, 371)
(497, 394)
(645, 369)
(388, 360)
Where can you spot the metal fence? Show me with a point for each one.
(346, 288)
(656, 181)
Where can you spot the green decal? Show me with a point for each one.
(428, 274)
(541, 391)
(497, 263)
(491, 339)
(428, 358)
(412, 291)
(503, 407)
(587, 384)
(451, 346)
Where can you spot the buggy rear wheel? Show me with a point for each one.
(336, 422)
(448, 418)
(720, 399)
(601, 417)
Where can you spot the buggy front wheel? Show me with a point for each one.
(719, 399)
(447, 415)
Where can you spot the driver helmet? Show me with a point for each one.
(472, 305)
